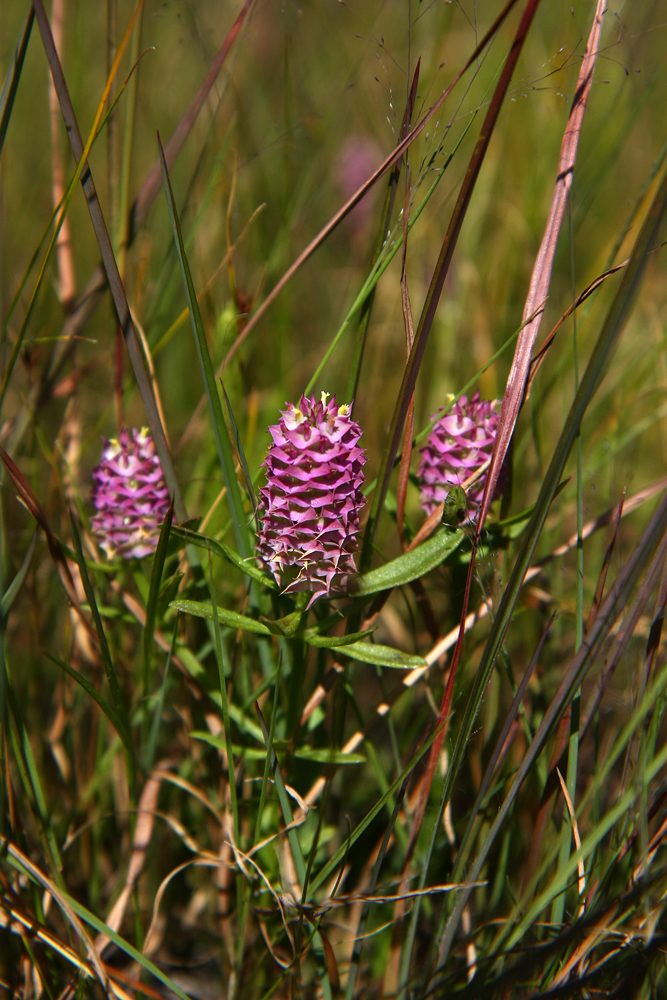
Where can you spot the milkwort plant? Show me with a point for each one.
(370, 704)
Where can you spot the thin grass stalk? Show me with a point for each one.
(104, 242)
(573, 742)
(382, 237)
(97, 284)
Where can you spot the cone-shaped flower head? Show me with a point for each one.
(130, 495)
(310, 505)
(460, 442)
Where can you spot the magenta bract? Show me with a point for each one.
(460, 442)
(310, 505)
(130, 495)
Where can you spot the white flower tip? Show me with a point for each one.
(324, 397)
(293, 416)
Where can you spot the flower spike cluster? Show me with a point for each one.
(310, 505)
(130, 495)
(459, 444)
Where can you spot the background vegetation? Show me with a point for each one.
(117, 816)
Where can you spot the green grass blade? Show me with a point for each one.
(239, 449)
(222, 442)
(154, 593)
(9, 595)
(90, 689)
(15, 859)
(107, 660)
(14, 75)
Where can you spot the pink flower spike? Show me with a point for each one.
(310, 505)
(130, 495)
(460, 442)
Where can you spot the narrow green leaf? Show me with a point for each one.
(99, 926)
(9, 595)
(222, 442)
(325, 756)
(318, 756)
(14, 75)
(239, 448)
(90, 689)
(230, 618)
(154, 593)
(336, 641)
(287, 626)
(383, 656)
(109, 667)
(410, 566)
(219, 548)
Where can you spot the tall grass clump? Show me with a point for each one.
(334, 519)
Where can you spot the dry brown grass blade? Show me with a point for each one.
(68, 913)
(143, 832)
(577, 839)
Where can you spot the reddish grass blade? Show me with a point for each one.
(514, 393)
(110, 265)
(541, 277)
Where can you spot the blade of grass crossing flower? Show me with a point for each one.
(516, 383)
(153, 595)
(222, 442)
(611, 329)
(104, 242)
(11, 83)
(437, 284)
